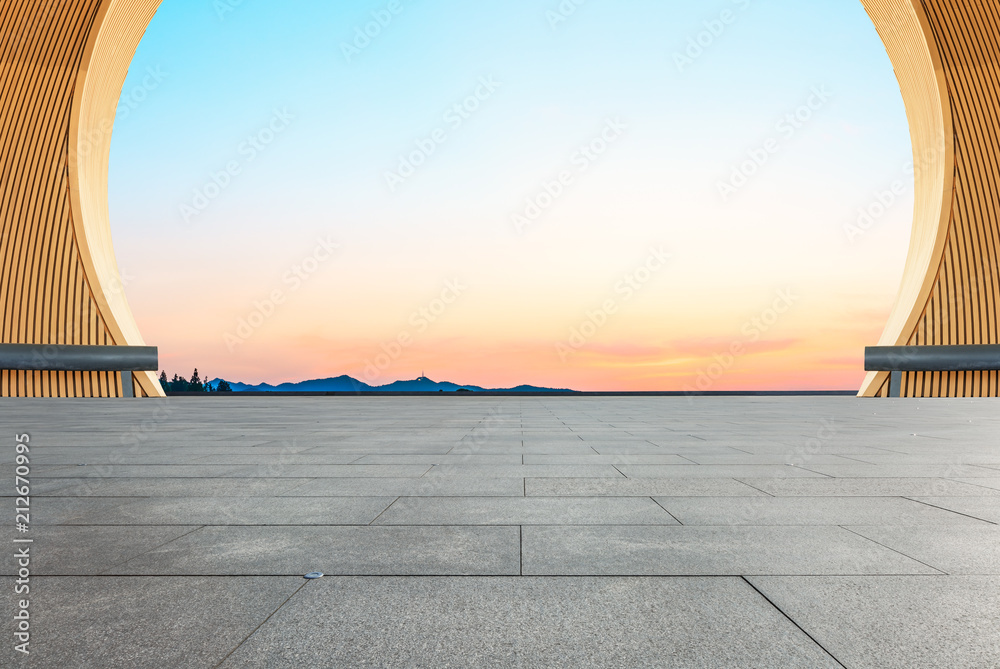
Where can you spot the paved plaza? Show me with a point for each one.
(506, 532)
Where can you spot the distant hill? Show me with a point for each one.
(347, 384)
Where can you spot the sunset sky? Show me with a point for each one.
(637, 195)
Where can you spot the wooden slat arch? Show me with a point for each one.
(62, 66)
(947, 58)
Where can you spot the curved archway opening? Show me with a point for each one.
(753, 174)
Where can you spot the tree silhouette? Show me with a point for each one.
(195, 385)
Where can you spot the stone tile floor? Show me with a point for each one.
(507, 532)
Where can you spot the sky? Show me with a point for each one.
(630, 195)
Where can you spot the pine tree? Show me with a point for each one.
(178, 385)
(163, 381)
(195, 384)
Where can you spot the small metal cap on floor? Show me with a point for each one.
(314, 574)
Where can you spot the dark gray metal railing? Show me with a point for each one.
(899, 359)
(67, 358)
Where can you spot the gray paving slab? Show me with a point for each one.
(787, 457)
(938, 457)
(716, 471)
(985, 508)
(525, 511)
(903, 471)
(284, 470)
(63, 550)
(895, 622)
(137, 623)
(622, 487)
(986, 482)
(523, 471)
(165, 487)
(624, 458)
(641, 448)
(439, 486)
(344, 550)
(764, 510)
(490, 448)
(271, 459)
(445, 459)
(529, 622)
(275, 469)
(106, 470)
(106, 456)
(223, 511)
(359, 452)
(866, 487)
(689, 551)
(67, 510)
(960, 549)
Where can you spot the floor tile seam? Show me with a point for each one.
(655, 501)
(840, 455)
(958, 513)
(803, 467)
(753, 487)
(166, 543)
(262, 623)
(138, 555)
(894, 550)
(977, 485)
(520, 550)
(372, 521)
(286, 493)
(792, 621)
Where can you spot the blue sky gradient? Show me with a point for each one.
(347, 119)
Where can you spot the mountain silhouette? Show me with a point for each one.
(348, 384)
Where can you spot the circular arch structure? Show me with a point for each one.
(62, 67)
